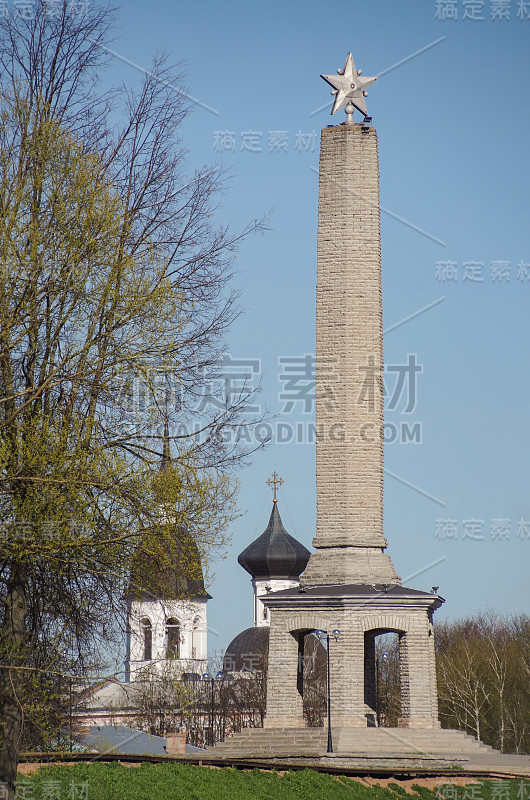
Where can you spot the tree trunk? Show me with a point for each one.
(13, 642)
(476, 713)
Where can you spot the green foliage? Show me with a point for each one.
(186, 782)
(397, 788)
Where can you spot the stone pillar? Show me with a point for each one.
(175, 744)
(284, 701)
(418, 691)
(433, 689)
(349, 352)
(347, 678)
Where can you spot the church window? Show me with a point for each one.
(172, 638)
(147, 635)
(196, 640)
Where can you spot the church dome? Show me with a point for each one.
(166, 566)
(275, 554)
(249, 651)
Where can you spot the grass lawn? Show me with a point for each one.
(97, 781)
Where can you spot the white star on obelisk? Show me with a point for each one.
(349, 87)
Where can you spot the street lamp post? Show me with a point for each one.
(384, 657)
(328, 636)
(70, 737)
(208, 677)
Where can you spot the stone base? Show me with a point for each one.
(343, 565)
(283, 723)
(419, 722)
(360, 613)
(292, 723)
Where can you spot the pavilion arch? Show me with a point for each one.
(299, 626)
(307, 623)
(372, 627)
(385, 623)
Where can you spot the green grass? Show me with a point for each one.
(97, 781)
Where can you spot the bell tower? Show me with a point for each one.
(166, 598)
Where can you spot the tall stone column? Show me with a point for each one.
(349, 352)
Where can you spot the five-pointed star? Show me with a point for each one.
(349, 87)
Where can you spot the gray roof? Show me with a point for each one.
(112, 694)
(339, 589)
(125, 741)
(167, 565)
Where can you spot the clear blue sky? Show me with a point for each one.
(454, 130)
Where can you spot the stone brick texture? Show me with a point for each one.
(354, 617)
(350, 545)
(349, 352)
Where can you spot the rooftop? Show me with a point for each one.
(275, 554)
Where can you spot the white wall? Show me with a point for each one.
(157, 611)
(260, 588)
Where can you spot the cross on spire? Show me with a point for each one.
(274, 482)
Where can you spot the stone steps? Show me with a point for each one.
(362, 742)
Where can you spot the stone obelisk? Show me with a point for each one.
(349, 538)
(349, 592)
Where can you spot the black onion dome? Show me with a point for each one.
(248, 651)
(275, 554)
(167, 566)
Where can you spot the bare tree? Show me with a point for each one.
(482, 670)
(389, 686)
(463, 687)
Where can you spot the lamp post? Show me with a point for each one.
(207, 677)
(328, 636)
(70, 737)
(384, 657)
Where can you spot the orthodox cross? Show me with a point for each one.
(274, 482)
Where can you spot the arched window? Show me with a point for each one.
(172, 638)
(147, 636)
(196, 639)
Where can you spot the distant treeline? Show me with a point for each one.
(483, 673)
(483, 667)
